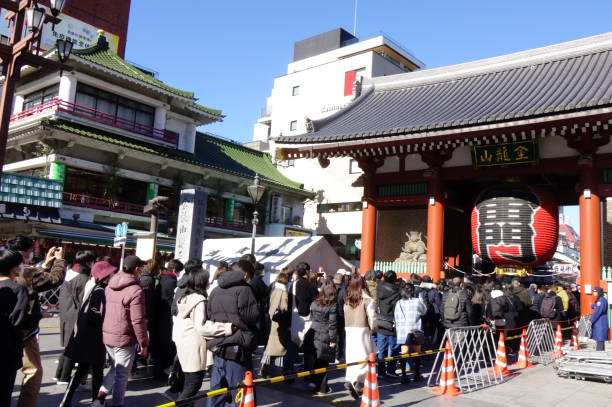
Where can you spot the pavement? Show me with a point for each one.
(538, 386)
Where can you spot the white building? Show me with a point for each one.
(318, 83)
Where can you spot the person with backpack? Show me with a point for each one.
(551, 306)
(536, 295)
(455, 306)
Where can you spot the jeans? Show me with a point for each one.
(225, 373)
(121, 360)
(32, 374)
(388, 343)
(193, 383)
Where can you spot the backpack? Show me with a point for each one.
(452, 306)
(547, 309)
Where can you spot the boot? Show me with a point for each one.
(417, 370)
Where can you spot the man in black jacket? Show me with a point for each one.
(387, 296)
(232, 301)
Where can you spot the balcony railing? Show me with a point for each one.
(87, 201)
(58, 105)
(103, 204)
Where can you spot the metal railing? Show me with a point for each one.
(87, 201)
(401, 267)
(58, 105)
(243, 226)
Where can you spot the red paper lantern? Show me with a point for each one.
(515, 224)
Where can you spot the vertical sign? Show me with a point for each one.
(229, 209)
(190, 225)
(152, 191)
(57, 171)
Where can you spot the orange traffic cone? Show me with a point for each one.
(447, 375)
(248, 395)
(501, 362)
(523, 359)
(370, 397)
(558, 342)
(575, 345)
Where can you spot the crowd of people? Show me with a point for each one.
(191, 326)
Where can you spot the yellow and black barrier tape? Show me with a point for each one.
(306, 373)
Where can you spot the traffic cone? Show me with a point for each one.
(558, 342)
(447, 375)
(575, 345)
(523, 359)
(370, 397)
(248, 394)
(501, 362)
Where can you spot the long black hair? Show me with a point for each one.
(197, 282)
(9, 259)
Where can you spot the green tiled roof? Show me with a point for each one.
(101, 54)
(239, 159)
(211, 152)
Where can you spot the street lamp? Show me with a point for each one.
(255, 192)
(21, 51)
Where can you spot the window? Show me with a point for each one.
(350, 77)
(295, 91)
(40, 97)
(127, 112)
(285, 215)
(339, 207)
(354, 167)
(293, 125)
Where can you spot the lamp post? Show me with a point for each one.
(255, 192)
(25, 51)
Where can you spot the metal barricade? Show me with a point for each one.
(49, 301)
(473, 351)
(541, 341)
(584, 328)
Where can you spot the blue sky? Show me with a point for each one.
(228, 52)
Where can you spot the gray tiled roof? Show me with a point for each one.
(505, 92)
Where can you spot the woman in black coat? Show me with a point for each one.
(512, 317)
(85, 345)
(70, 300)
(324, 312)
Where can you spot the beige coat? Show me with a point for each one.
(190, 331)
(279, 335)
(360, 323)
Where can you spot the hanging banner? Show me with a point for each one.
(57, 171)
(229, 209)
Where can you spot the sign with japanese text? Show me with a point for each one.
(499, 155)
(190, 225)
(81, 34)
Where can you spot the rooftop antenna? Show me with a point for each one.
(355, 20)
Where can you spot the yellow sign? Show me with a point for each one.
(297, 233)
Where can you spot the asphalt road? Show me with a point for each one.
(537, 386)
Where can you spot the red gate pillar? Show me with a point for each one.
(368, 237)
(435, 226)
(590, 234)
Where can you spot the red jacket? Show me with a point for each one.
(124, 321)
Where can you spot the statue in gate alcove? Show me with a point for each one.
(414, 249)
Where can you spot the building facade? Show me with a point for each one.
(319, 83)
(487, 149)
(115, 137)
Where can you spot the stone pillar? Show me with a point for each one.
(67, 87)
(590, 232)
(435, 225)
(190, 225)
(18, 104)
(159, 120)
(368, 237)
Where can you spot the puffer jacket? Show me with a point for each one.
(388, 294)
(325, 327)
(124, 322)
(233, 301)
(190, 331)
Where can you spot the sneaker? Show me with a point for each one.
(170, 395)
(352, 390)
(60, 383)
(323, 393)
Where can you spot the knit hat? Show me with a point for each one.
(102, 269)
(338, 278)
